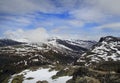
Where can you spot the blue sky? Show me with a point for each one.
(79, 19)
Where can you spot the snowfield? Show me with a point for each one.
(40, 75)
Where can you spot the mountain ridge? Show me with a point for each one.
(107, 49)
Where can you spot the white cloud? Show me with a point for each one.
(97, 10)
(16, 6)
(86, 8)
(17, 19)
(35, 35)
(60, 29)
(113, 26)
(26, 6)
(75, 23)
(88, 14)
(109, 6)
(13, 22)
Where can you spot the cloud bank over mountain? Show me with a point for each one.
(35, 35)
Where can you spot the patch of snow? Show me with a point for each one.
(64, 47)
(55, 44)
(41, 74)
(35, 60)
(25, 62)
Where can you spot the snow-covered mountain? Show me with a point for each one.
(53, 51)
(73, 45)
(107, 49)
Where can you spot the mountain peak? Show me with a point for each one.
(107, 49)
(109, 38)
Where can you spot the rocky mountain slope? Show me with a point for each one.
(107, 49)
(101, 64)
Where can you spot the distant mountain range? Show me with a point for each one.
(57, 50)
(107, 49)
